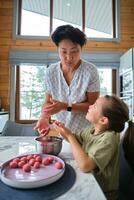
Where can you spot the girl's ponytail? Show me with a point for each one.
(128, 143)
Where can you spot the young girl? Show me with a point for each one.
(97, 149)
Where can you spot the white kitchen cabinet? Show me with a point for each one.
(126, 73)
(4, 116)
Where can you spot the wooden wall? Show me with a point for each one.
(6, 42)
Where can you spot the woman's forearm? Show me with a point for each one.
(80, 107)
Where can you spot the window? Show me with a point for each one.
(63, 13)
(98, 19)
(31, 90)
(105, 81)
(34, 19)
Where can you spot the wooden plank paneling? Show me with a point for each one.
(3, 63)
(4, 86)
(6, 4)
(4, 71)
(4, 53)
(5, 34)
(6, 11)
(7, 19)
(4, 94)
(127, 10)
(4, 78)
(5, 102)
(126, 3)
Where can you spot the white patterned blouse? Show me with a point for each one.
(86, 79)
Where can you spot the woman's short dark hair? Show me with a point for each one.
(68, 32)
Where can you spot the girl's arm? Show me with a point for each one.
(84, 161)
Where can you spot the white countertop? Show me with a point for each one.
(3, 112)
(85, 187)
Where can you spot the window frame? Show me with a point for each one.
(17, 17)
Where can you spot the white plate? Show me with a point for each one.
(45, 175)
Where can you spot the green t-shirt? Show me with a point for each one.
(104, 149)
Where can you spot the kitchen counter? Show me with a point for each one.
(85, 187)
(3, 112)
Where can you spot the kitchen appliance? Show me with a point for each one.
(126, 77)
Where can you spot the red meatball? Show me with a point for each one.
(45, 161)
(16, 160)
(26, 168)
(13, 164)
(38, 159)
(35, 155)
(58, 165)
(21, 163)
(31, 161)
(36, 165)
(24, 159)
(29, 157)
(51, 159)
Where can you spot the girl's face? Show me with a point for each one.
(69, 53)
(94, 113)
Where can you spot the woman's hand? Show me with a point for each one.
(54, 107)
(65, 132)
(42, 125)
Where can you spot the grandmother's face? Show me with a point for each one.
(69, 53)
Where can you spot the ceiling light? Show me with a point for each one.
(68, 4)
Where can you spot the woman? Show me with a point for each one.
(72, 84)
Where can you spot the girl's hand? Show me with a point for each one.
(65, 132)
